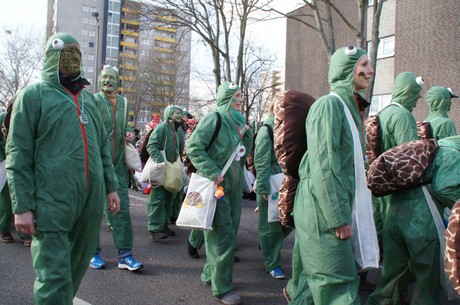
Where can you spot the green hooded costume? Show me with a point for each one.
(410, 240)
(439, 101)
(167, 136)
(326, 189)
(59, 167)
(271, 234)
(115, 119)
(209, 161)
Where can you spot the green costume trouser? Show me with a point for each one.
(177, 204)
(196, 238)
(159, 208)
(411, 245)
(122, 233)
(328, 262)
(6, 213)
(60, 257)
(220, 243)
(297, 286)
(271, 237)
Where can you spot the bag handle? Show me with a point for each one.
(124, 117)
(229, 161)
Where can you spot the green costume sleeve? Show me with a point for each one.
(127, 126)
(248, 142)
(156, 143)
(263, 160)
(197, 147)
(445, 185)
(20, 147)
(326, 126)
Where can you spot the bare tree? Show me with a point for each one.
(215, 22)
(21, 54)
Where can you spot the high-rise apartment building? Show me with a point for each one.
(415, 36)
(150, 51)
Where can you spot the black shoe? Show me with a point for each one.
(173, 220)
(236, 259)
(192, 251)
(6, 237)
(158, 235)
(168, 231)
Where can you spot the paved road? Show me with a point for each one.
(169, 276)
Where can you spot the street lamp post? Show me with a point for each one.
(96, 15)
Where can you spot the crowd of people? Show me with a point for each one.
(62, 136)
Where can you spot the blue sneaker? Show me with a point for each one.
(277, 273)
(97, 262)
(129, 263)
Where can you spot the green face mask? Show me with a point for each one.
(108, 81)
(70, 61)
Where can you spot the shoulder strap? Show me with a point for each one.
(126, 109)
(270, 131)
(216, 131)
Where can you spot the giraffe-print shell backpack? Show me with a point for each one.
(401, 167)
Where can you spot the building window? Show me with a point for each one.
(90, 57)
(85, 8)
(378, 103)
(386, 47)
(84, 20)
(84, 32)
(90, 69)
(91, 44)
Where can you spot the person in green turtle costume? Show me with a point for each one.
(439, 101)
(114, 110)
(209, 161)
(409, 234)
(411, 240)
(59, 171)
(326, 191)
(398, 126)
(271, 234)
(167, 136)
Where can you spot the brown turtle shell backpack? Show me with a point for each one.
(401, 167)
(452, 252)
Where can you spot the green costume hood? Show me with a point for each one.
(169, 110)
(406, 90)
(107, 67)
(50, 72)
(341, 68)
(439, 101)
(224, 95)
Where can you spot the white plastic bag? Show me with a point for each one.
(153, 172)
(132, 159)
(199, 206)
(275, 183)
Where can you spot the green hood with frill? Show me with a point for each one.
(54, 45)
(439, 101)
(406, 90)
(169, 110)
(99, 79)
(341, 69)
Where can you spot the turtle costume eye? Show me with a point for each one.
(232, 86)
(58, 44)
(420, 81)
(351, 50)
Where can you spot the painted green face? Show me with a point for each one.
(108, 81)
(176, 116)
(70, 60)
